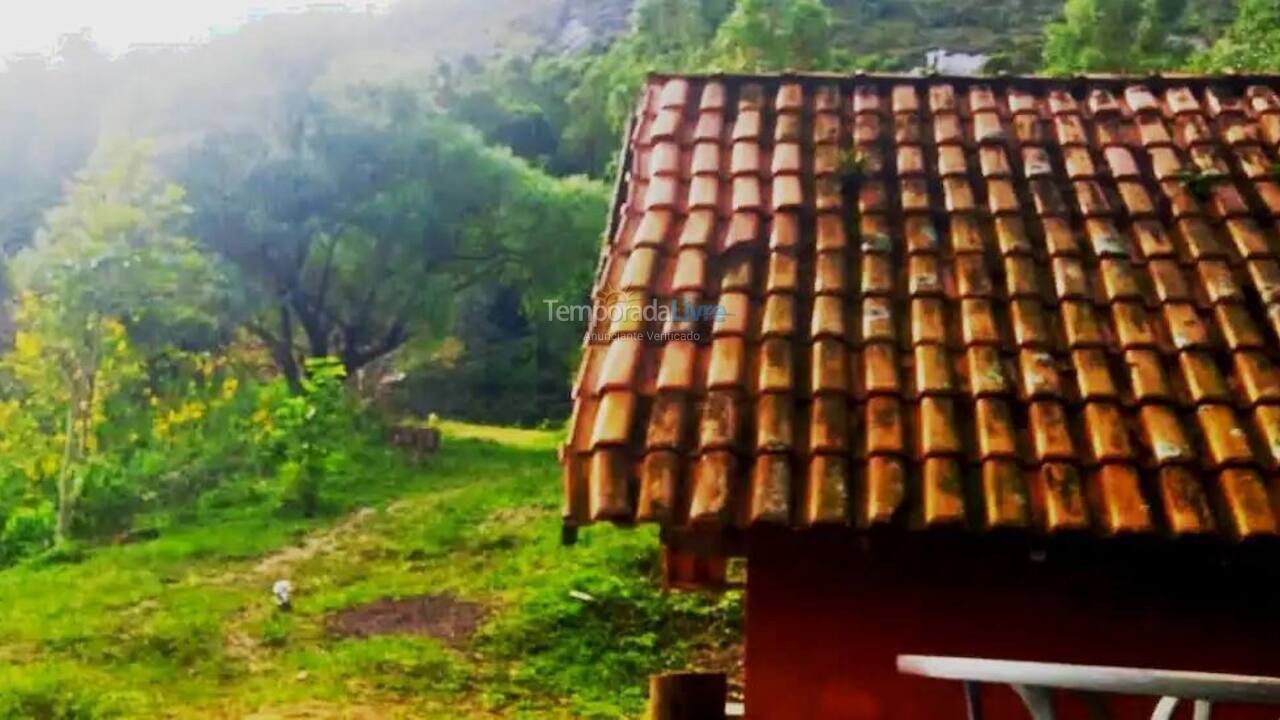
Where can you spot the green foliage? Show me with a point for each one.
(167, 456)
(27, 531)
(108, 498)
(895, 35)
(594, 630)
(762, 35)
(1250, 43)
(665, 36)
(583, 102)
(514, 102)
(1114, 36)
(276, 629)
(109, 279)
(309, 433)
(116, 249)
(1200, 182)
(852, 164)
(374, 219)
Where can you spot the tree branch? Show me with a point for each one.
(325, 273)
(395, 336)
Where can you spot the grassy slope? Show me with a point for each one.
(183, 626)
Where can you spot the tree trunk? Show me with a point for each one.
(66, 499)
(86, 411)
(284, 351)
(316, 330)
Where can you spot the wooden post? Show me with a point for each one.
(687, 696)
(688, 570)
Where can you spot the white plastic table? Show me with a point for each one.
(1035, 682)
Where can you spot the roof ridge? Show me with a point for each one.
(1156, 78)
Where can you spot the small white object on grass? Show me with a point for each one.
(283, 590)
(579, 595)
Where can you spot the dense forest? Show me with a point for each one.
(244, 258)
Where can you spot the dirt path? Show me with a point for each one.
(240, 642)
(280, 562)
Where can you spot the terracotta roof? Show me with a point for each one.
(989, 303)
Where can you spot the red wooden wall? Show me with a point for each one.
(826, 616)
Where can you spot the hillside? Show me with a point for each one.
(896, 34)
(437, 591)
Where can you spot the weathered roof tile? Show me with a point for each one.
(1017, 296)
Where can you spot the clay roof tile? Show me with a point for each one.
(938, 302)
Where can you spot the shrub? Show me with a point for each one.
(593, 647)
(107, 501)
(276, 629)
(27, 531)
(308, 436)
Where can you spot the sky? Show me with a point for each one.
(118, 24)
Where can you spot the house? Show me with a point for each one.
(976, 366)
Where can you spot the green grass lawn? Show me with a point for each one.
(184, 626)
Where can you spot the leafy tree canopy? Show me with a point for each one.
(1114, 36)
(763, 35)
(111, 259)
(358, 226)
(1251, 43)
